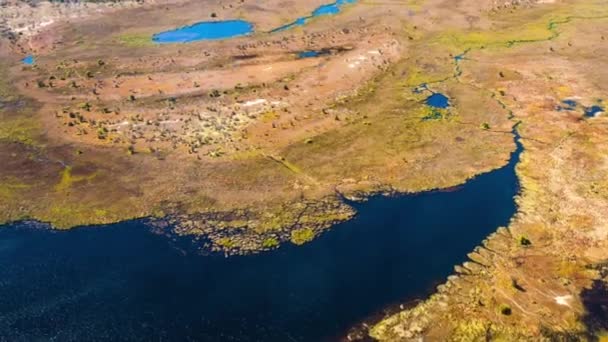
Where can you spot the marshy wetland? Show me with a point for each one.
(308, 164)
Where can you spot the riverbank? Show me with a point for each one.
(531, 281)
(181, 290)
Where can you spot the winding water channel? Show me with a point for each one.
(123, 282)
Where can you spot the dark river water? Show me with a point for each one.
(123, 282)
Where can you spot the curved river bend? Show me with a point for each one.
(122, 282)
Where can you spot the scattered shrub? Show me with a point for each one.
(270, 242)
(505, 310)
(524, 241)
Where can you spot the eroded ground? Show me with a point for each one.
(246, 143)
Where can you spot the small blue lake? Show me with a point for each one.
(313, 53)
(28, 60)
(208, 30)
(593, 111)
(329, 9)
(123, 282)
(217, 30)
(438, 100)
(567, 104)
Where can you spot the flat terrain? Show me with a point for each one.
(246, 143)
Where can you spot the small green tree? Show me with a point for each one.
(505, 309)
(524, 241)
(270, 242)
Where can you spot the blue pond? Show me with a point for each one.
(329, 9)
(313, 53)
(216, 30)
(592, 111)
(209, 30)
(29, 60)
(123, 282)
(569, 105)
(438, 100)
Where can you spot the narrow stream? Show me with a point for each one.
(123, 282)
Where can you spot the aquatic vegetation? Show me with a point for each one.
(302, 236)
(434, 114)
(226, 242)
(270, 242)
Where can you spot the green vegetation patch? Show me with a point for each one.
(270, 242)
(226, 242)
(19, 130)
(302, 236)
(67, 215)
(10, 188)
(68, 179)
(136, 40)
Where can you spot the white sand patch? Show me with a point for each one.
(563, 300)
(255, 102)
(169, 122)
(118, 125)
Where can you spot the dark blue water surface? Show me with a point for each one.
(592, 111)
(29, 60)
(313, 53)
(567, 104)
(208, 30)
(122, 282)
(329, 9)
(438, 100)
